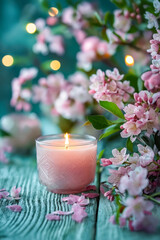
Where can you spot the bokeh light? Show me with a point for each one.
(53, 11)
(7, 60)
(129, 60)
(31, 28)
(55, 65)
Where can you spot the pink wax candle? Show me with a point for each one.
(66, 164)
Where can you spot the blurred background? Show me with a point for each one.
(16, 41)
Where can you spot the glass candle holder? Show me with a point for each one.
(66, 165)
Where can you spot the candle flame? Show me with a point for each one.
(66, 136)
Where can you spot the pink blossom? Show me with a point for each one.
(14, 208)
(15, 192)
(27, 74)
(105, 162)
(3, 193)
(152, 21)
(147, 155)
(116, 175)
(152, 81)
(109, 195)
(109, 87)
(134, 161)
(93, 49)
(40, 24)
(136, 207)
(79, 35)
(40, 47)
(67, 108)
(119, 156)
(79, 213)
(141, 116)
(81, 200)
(114, 75)
(79, 79)
(57, 45)
(22, 95)
(134, 182)
(71, 18)
(48, 89)
(51, 21)
(122, 22)
(52, 217)
(148, 224)
(90, 195)
(156, 5)
(76, 18)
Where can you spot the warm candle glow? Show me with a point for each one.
(53, 11)
(66, 140)
(7, 60)
(31, 28)
(55, 65)
(129, 60)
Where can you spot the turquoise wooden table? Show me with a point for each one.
(30, 224)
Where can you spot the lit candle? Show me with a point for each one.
(66, 164)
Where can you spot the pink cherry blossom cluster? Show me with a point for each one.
(122, 24)
(108, 86)
(14, 195)
(152, 78)
(94, 49)
(142, 115)
(68, 98)
(46, 40)
(77, 19)
(21, 92)
(134, 175)
(65, 97)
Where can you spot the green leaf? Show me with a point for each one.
(112, 108)
(99, 122)
(133, 80)
(110, 130)
(3, 133)
(98, 18)
(129, 145)
(157, 139)
(100, 155)
(106, 17)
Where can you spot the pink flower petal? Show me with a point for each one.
(14, 208)
(15, 192)
(82, 201)
(4, 194)
(2, 190)
(102, 189)
(79, 213)
(71, 199)
(52, 217)
(90, 195)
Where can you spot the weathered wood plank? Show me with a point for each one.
(36, 203)
(106, 230)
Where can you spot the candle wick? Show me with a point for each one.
(66, 146)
